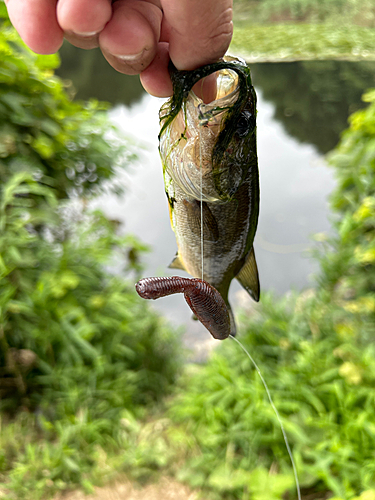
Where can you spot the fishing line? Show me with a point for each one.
(201, 180)
(276, 413)
(201, 174)
(201, 167)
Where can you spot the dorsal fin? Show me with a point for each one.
(248, 276)
(176, 263)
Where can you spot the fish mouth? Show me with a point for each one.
(233, 74)
(227, 93)
(192, 129)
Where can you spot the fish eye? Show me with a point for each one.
(245, 123)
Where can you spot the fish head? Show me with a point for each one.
(208, 148)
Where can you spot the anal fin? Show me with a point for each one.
(248, 276)
(176, 263)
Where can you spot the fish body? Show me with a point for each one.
(211, 176)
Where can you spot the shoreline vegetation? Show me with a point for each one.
(81, 406)
(301, 30)
(303, 42)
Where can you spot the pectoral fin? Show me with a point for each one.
(210, 227)
(248, 276)
(176, 263)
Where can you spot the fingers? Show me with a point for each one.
(155, 79)
(135, 36)
(199, 31)
(83, 20)
(129, 41)
(36, 23)
(128, 31)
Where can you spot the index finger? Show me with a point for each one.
(36, 23)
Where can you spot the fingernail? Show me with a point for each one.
(129, 58)
(86, 34)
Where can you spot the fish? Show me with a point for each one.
(210, 167)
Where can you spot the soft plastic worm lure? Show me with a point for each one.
(203, 299)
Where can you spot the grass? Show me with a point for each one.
(300, 30)
(302, 42)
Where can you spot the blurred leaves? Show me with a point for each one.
(300, 30)
(303, 42)
(79, 350)
(58, 301)
(43, 131)
(336, 12)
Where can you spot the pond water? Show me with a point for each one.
(302, 108)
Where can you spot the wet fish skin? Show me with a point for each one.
(230, 178)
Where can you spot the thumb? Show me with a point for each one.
(199, 31)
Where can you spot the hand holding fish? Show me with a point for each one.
(135, 36)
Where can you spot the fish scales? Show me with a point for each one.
(224, 257)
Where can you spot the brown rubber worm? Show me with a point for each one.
(203, 299)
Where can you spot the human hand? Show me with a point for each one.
(135, 36)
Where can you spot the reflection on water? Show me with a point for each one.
(313, 99)
(293, 130)
(92, 76)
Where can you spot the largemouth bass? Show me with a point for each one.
(211, 181)
(210, 166)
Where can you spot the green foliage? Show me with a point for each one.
(80, 353)
(300, 30)
(58, 302)
(78, 346)
(350, 269)
(63, 143)
(302, 9)
(339, 12)
(321, 380)
(301, 42)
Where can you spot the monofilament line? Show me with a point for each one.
(201, 200)
(276, 413)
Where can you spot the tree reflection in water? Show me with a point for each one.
(313, 99)
(93, 77)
